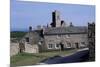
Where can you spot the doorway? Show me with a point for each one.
(62, 46)
(21, 47)
(77, 45)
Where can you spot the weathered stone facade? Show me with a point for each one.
(91, 40)
(14, 48)
(31, 48)
(30, 41)
(68, 40)
(58, 36)
(69, 36)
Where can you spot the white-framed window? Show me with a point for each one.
(57, 46)
(58, 36)
(68, 45)
(50, 46)
(68, 36)
(83, 44)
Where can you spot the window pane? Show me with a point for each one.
(50, 46)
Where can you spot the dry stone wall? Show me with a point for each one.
(14, 48)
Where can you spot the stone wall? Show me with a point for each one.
(91, 41)
(65, 39)
(14, 48)
(31, 48)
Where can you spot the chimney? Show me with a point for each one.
(71, 24)
(30, 28)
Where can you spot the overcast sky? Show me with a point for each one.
(25, 14)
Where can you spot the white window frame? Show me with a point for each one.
(59, 36)
(83, 44)
(49, 46)
(56, 46)
(68, 36)
(68, 45)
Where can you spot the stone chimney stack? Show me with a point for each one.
(63, 24)
(71, 24)
(30, 28)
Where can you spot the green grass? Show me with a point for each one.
(32, 59)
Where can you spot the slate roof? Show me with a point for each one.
(65, 30)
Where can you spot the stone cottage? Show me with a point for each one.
(57, 36)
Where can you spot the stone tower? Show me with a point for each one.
(56, 22)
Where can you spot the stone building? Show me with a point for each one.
(58, 36)
(91, 40)
(69, 37)
(32, 41)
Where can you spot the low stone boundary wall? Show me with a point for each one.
(14, 48)
(31, 48)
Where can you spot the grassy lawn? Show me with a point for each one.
(32, 59)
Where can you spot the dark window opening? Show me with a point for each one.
(62, 46)
(68, 44)
(77, 45)
(57, 45)
(27, 39)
